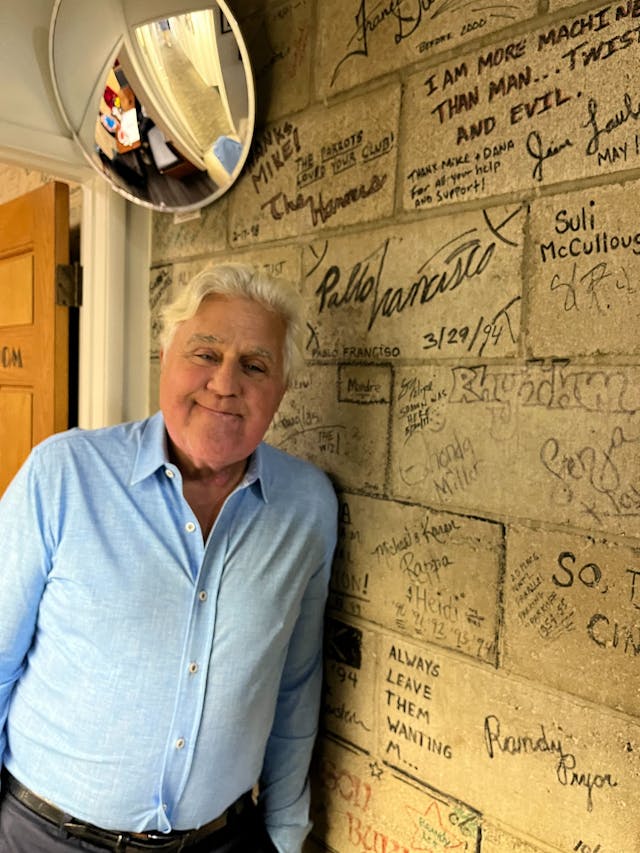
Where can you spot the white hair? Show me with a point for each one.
(246, 281)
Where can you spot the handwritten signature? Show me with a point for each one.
(460, 259)
(281, 205)
(599, 468)
(541, 153)
(596, 279)
(629, 112)
(367, 22)
(567, 774)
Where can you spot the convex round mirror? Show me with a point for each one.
(158, 93)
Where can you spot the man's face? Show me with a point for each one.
(221, 382)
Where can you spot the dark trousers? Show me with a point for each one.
(22, 831)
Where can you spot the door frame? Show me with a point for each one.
(115, 253)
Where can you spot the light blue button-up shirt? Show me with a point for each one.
(147, 678)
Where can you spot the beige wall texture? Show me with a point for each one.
(16, 181)
(455, 188)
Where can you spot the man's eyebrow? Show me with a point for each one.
(213, 339)
(265, 353)
(204, 339)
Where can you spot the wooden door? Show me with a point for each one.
(34, 331)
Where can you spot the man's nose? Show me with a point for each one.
(225, 379)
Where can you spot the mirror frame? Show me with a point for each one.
(107, 30)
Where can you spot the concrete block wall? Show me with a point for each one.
(454, 187)
(16, 181)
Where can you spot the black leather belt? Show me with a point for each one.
(113, 839)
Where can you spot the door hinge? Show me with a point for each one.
(69, 285)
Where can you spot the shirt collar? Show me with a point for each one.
(153, 454)
(256, 473)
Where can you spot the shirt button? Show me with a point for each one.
(189, 527)
(169, 473)
(193, 667)
(202, 595)
(180, 743)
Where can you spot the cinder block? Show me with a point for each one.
(280, 262)
(553, 443)
(360, 41)
(413, 734)
(325, 168)
(359, 804)
(343, 433)
(177, 238)
(433, 576)
(15, 181)
(557, 5)
(349, 691)
(548, 766)
(556, 104)
(160, 285)
(497, 840)
(438, 289)
(585, 266)
(279, 43)
(154, 384)
(572, 614)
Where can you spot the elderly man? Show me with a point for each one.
(162, 589)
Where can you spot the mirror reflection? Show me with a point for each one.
(174, 115)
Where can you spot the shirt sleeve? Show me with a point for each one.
(284, 786)
(24, 568)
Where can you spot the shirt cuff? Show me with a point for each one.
(288, 839)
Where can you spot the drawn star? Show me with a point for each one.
(376, 770)
(431, 831)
